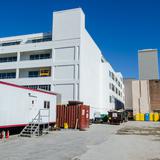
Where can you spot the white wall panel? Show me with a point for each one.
(65, 54)
(64, 72)
(67, 91)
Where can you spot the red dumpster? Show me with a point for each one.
(76, 116)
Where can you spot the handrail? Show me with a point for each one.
(36, 122)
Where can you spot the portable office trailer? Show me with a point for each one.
(20, 105)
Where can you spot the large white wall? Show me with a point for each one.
(67, 32)
(90, 65)
(68, 24)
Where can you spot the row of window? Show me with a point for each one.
(46, 104)
(8, 59)
(114, 78)
(7, 75)
(10, 43)
(30, 74)
(32, 57)
(115, 89)
(40, 56)
(44, 39)
(44, 87)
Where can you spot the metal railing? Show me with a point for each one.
(42, 120)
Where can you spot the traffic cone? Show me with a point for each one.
(7, 134)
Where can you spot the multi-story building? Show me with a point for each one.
(148, 64)
(66, 61)
(145, 96)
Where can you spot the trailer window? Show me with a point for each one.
(46, 104)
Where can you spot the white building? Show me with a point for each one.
(66, 61)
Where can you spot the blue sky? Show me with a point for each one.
(119, 27)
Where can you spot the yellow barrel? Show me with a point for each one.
(141, 116)
(65, 125)
(151, 116)
(137, 117)
(156, 117)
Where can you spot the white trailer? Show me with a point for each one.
(20, 105)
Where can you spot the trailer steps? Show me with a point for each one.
(38, 126)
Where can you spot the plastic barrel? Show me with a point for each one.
(137, 117)
(141, 116)
(151, 116)
(65, 125)
(156, 117)
(147, 117)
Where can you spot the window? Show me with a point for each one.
(40, 56)
(110, 86)
(116, 90)
(46, 104)
(113, 76)
(33, 74)
(10, 43)
(110, 99)
(44, 39)
(8, 59)
(113, 87)
(7, 75)
(110, 73)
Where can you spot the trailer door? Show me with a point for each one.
(33, 111)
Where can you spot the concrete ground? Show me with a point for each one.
(128, 141)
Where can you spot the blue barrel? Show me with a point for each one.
(147, 117)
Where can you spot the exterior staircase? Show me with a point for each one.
(38, 126)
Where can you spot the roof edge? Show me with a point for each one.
(25, 88)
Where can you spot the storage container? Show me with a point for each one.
(147, 117)
(156, 117)
(151, 116)
(137, 117)
(141, 116)
(76, 116)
